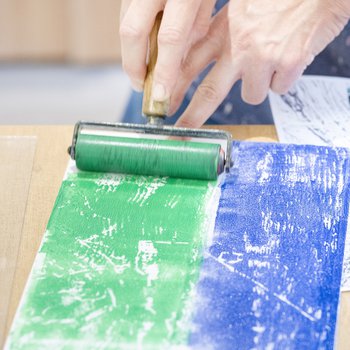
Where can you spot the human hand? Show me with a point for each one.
(184, 23)
(266, 43)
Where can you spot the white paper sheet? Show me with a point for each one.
(316, 111)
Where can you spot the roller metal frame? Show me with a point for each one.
(154, 129)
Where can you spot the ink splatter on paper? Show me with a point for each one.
(132, 262)
(316, 111)
(271, 278)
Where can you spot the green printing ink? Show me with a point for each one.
(117, 265)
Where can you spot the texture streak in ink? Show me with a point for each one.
(123, 264)
(119, 259)
(271, 277)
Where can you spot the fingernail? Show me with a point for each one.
(137, 85)
(159, 92)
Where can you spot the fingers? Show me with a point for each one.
(197, 60)
(199, 57)
(137, 20)
(123, 8)
(210, 93)
(256, 80)
(202, 23)
(277, 74)
(287, 73)
(178, 20)
(282, 81)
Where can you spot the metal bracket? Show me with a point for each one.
(151, 129)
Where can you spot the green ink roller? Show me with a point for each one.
(151, 149)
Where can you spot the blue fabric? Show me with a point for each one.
(333, 61)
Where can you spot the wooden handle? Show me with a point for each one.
(151, 107)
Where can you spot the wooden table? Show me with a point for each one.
(50, 162)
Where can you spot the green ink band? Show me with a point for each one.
(183, 159)
(118, 263)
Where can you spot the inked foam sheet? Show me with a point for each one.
(134, 263)
(316, 111)
(118, 263)
(271, 277)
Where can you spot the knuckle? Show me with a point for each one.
(309, 57)
(201, 30)
(187, 123)
(170, 36)
(279, 85)
(187, 67)
(208, 92)
(164, 75)
(288, 66)
(265, 57)
(292, 63)
(241, 44)
(214, 42)
(127, 31)
(244, 41)
(132, 70)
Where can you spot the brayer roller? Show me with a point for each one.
(152, 149)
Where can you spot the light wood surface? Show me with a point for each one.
(50, 162)
(76, 31)
(16, 155)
